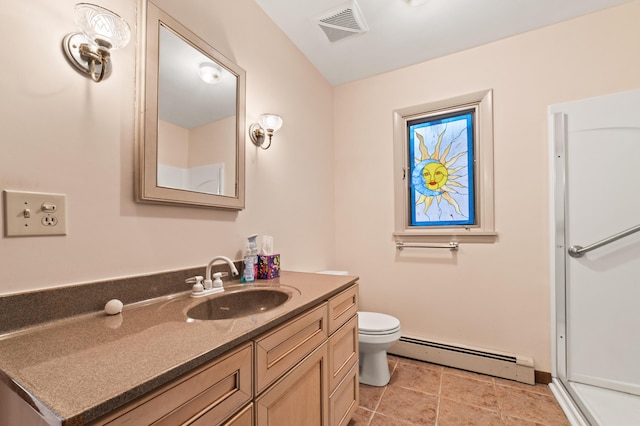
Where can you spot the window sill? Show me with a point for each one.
(446, 236)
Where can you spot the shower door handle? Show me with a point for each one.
(579, 251)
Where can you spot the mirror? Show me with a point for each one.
(191, 118)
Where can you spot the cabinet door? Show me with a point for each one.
(343, 352)
(300, 397)
(343, 402)
(279, 350)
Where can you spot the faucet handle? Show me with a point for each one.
(217, 282)
(194, 280)
(197, 283)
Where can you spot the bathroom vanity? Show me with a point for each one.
(294, 364)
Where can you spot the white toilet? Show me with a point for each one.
(376, 333)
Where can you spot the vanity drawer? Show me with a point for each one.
(343, 352)
(342, 307)
(344, 401)
(216, 390)
(280, 350)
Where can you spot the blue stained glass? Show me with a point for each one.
(441, 170)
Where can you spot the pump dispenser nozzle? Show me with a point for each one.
(253, 244)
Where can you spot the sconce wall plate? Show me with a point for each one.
(71, 45)
(257, 134)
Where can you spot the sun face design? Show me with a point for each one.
(434, 174)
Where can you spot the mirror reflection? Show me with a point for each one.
(190, 118)
(196, 119)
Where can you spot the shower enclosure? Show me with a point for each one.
(595, 158)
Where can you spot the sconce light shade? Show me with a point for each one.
(271, 122)
(102, 31)
(267, 124)
(210, 73)
(102, 25)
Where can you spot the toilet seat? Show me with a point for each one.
(374, 323)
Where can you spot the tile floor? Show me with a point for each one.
(420, 393)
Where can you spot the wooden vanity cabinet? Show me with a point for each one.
(307, 369)
(303, 372)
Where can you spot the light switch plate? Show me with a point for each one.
(34, 213)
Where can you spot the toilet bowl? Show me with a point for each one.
(376, 333)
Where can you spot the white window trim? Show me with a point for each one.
(484, 230)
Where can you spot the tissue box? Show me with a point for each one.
(268, 266)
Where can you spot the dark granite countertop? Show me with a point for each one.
(77, 369)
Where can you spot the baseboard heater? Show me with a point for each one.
(508, 366)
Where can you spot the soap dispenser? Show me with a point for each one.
(250, 259)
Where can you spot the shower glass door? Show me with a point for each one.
(598, 293)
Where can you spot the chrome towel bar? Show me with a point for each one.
(578, 251)
(453, 245)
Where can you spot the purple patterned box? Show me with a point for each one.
(268, 266)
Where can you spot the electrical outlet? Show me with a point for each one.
(34, 213)
(49, 220)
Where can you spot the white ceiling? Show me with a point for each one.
(184, 99)
(400, 35)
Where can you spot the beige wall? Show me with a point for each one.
(60, 132)
(205, 148)
(206, 143)
(493, 296)
(173, 145)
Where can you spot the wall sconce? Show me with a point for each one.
(102, 30)
(210, 73)
(267, 125)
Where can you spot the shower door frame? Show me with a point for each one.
(558, 136)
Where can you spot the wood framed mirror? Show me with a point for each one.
(190, 117)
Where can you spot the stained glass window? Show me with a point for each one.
(440, 175)
(443, 164)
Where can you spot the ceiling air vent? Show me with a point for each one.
(342, 22)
